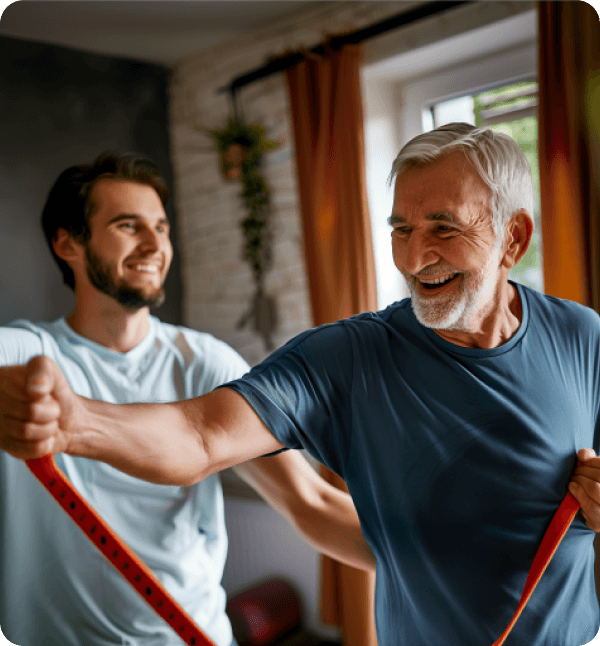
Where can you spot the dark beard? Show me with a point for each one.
(134, 299)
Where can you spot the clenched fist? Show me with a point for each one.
(37, 409)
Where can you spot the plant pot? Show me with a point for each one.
(231, 161)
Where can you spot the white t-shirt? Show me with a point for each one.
(56, 589)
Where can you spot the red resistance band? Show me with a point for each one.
(557, 528)
(151, 589)
(120, 555)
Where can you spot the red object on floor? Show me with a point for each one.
(261, 615)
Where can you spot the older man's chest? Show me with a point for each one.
(482, 450)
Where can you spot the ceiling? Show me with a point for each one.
(469, 45)
(156, 31)
(167, 31)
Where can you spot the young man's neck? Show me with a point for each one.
(108, 323)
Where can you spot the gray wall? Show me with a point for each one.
(60, 107)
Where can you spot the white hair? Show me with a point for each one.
(497, 158)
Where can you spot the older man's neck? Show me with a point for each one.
(108, 323)
(495, 328)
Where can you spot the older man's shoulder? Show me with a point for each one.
(562, 312)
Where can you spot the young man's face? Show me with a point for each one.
(129, 252)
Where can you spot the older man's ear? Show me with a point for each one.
(518, 238)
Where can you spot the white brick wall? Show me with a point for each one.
(217, 283)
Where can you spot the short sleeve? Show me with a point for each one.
(18, 346)
(302, 393)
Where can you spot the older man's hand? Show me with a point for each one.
(585, 487)
(36, 409)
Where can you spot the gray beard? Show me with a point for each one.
(455, 312)
(99, 274)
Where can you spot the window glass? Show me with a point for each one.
(511, 109)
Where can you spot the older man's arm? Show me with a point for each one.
(323, 515)
(179, 443)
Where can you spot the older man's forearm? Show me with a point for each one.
(160, 443)
(176, 443)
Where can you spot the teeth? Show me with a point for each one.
(437, 281)
(150, 269)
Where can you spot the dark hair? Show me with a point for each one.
(68, 205)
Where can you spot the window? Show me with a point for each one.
(439, 75)
(511, 109)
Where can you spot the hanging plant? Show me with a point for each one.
(239, 143)
(241, 148)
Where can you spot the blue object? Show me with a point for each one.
(456, 459)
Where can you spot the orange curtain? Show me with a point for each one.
(569, 149)
(326, 108)
(569, 156)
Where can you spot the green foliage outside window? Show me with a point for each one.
(525, 132)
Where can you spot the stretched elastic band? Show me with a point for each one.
(116, 551)
(558, 527)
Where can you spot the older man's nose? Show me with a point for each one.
(421, 251)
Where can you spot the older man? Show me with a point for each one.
(454, 416)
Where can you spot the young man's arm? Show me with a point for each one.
(323, 515)
(177, 443)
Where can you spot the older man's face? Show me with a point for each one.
(444, 243)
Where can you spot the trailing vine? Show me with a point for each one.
(255, 223)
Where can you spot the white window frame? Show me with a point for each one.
(504, 68)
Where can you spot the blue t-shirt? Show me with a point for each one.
(456, 459)
(56, 589)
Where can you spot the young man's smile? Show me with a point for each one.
(129, 253)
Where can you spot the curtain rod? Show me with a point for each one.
(399, 20)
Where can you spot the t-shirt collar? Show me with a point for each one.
(483, 352)
(133, 355)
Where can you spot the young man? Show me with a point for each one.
(454, 416)
(107, 229)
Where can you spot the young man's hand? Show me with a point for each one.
(37, 409)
